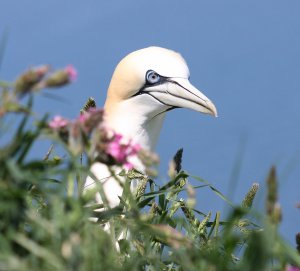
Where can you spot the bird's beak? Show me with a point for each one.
(179, 92)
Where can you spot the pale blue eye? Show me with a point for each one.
(152, 77)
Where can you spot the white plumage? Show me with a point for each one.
(145, 85)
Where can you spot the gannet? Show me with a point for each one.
(145, 85)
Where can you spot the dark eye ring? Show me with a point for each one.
(152, 77)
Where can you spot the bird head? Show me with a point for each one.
(156, 80)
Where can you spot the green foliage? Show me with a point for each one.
(45, 221)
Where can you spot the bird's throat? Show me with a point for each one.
(136, 123)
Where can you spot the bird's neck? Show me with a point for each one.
(134, 122)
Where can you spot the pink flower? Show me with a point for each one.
(116, 149)
(58, 122)
(136, 148)
(121, 151)
(83, 117)
(128, 165)
(292, 268)
(71, 72)
(90, 113)
(90, 119)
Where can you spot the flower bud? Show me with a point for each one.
(90, 103)
(58, 122)
(249, 198)
(61, 77)
(60, 125)
(29, 79)
(90, 119)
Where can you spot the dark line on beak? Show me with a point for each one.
(149, 93)
(169, 80)
(203, 105)
(176, 83)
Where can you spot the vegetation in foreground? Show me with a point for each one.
(44, 215)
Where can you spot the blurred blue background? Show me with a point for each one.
(244, 55)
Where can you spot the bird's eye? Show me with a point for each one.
(152, 77)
